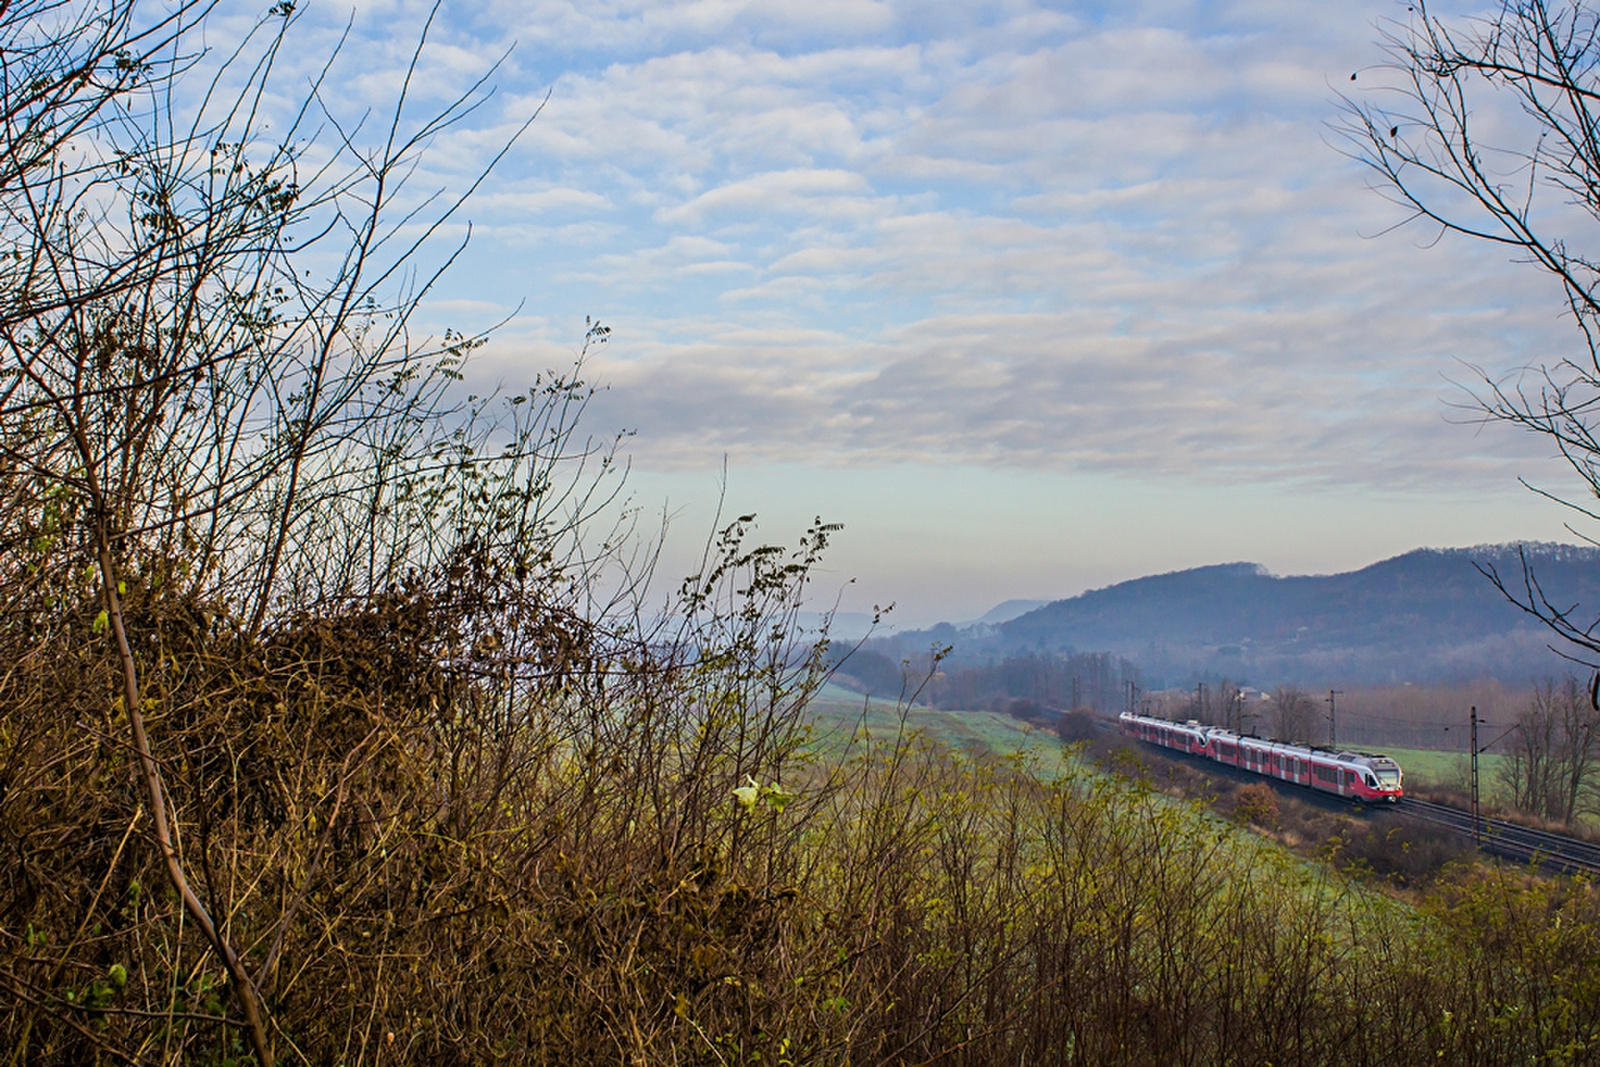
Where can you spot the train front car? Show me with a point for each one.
(1376, 776)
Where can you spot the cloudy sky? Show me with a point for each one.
(1031, 297)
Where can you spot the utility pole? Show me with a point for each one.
(1333, 718)
(1477, 836)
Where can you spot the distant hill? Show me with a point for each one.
(1425, 616)
(1010, 609)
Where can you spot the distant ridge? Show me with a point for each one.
(1010, 609)
(1427, 615)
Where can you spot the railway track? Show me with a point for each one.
(1511, 841)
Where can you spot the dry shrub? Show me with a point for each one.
(1405, 854)
(1256, 803)
(478, 847)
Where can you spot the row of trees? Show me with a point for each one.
(1293, 715)
(1037, 682)
(1289, 713)
(1215, 704)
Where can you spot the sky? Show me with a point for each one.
(1032, 298)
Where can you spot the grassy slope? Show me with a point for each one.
(837, 713)
(838, 716)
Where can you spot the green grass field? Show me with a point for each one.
(838, 715)
(1430, 767)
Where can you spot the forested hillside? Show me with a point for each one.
(1431, 615)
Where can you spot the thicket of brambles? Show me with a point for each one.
(334, 729)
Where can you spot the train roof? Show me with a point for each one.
(1370, 759)
(1192, 725)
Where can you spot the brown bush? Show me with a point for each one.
(1256, 803)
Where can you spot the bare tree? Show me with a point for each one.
(1230, 705)
(1293, 713)
(1550, 766)
(1489, 127)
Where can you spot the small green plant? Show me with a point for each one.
(752, 794)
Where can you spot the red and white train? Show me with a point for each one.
(1358, 775)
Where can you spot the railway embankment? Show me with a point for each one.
(1509, 840)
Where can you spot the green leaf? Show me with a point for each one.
(102, 622)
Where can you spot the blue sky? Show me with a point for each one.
(1031, 297)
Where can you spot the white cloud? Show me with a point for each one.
(1108, 239)
(829, 193)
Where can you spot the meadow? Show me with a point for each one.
(839, 717)
(1447, 771)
